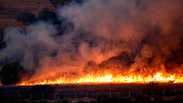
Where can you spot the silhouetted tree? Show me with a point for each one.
(11, 73)
(46, 15)
(1, 42)
(1, 8)
(55, 3)
(25, 17)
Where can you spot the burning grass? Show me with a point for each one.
(158, 77)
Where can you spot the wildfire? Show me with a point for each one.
(110, 78)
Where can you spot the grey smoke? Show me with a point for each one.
(149, 32)
(23, 46)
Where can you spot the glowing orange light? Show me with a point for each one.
(110, 78)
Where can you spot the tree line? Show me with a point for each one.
(45, 14)
(12, 73)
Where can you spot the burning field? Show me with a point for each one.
(108, 41)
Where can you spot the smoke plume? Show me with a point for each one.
(121, 36)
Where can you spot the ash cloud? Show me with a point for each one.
(148, 31)
(124, 36)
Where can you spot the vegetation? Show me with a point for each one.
(1, 43)
(1, 8)
(25, 17)
(55, 3)
(11, 73)
(65, 101)
(46, 15)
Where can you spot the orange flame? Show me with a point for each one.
(110, 78)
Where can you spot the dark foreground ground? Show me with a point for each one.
(100, 93)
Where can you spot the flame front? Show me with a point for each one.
(110, 78)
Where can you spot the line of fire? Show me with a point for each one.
(91, 51)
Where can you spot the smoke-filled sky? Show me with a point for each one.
(124, 36)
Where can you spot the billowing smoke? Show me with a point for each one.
(122, 36)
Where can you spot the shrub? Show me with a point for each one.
(55, 3)
(46, 15)
(11, 73)
(25, 17)
(1, 8)
(65, 101)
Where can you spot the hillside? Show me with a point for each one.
(11, 8)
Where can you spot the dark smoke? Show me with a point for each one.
(122, 36)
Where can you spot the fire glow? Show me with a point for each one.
(110, 78)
